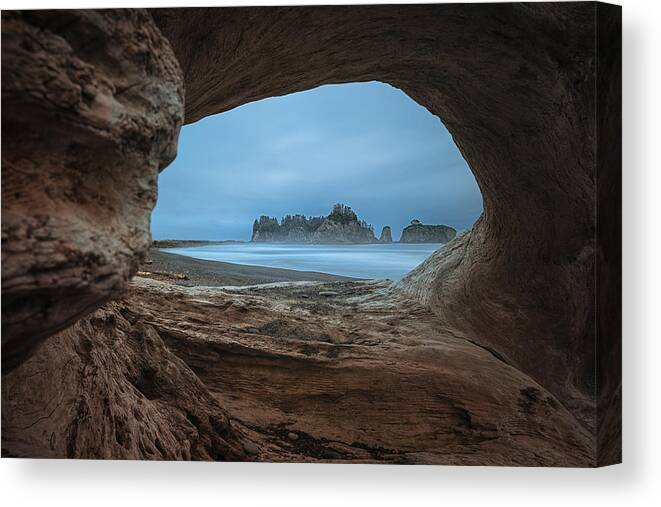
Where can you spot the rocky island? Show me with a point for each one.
(418, 232)
(340, 226)
(386, 235)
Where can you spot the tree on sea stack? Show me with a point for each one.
(342, 214)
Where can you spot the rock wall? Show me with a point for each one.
(424, 233)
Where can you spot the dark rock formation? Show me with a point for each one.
(293, 229)
(418, 232)
(340, 226)
(92, 106)
(92, 103)
(386, 235)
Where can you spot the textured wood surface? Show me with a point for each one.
(93, 101)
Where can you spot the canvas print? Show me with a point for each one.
(343, 234)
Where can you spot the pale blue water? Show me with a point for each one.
(361, 261)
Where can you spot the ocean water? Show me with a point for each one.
(391, 261)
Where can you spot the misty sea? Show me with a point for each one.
(377, 261)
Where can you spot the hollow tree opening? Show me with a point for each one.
(367, 145)
(515, 84)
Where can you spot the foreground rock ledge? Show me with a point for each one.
(170, 372)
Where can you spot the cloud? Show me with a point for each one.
(366, 144)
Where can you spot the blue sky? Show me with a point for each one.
(367, 145)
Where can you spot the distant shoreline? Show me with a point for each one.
(188, 271)
(187, 243)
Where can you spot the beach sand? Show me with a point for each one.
(189, 272)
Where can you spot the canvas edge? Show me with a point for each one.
(608, 252)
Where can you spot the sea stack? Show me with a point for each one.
(386, 235)
(418, 232)
(342, 225)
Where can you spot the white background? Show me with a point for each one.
(636, 482)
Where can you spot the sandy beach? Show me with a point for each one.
(190, 272)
